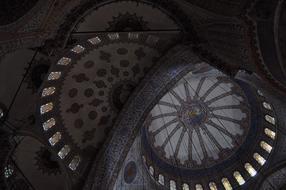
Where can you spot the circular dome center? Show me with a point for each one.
(192, 114)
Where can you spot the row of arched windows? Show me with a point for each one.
(46, 108)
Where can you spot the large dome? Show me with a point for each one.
(203, 128)
(202, 121)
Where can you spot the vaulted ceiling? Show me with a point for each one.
(81, 79)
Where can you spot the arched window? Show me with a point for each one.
(238, 178)
(54, 75)
(144, 159)
(270, 133)
(64, 151)
(78, 49)
(74, 163)
(46, 107)
(252, 172)
(172, 185)
(8, 171)
(266, 146)
(267, 106)
(64, 61)
(270, 119)
(94, 41)
(151, 170)
(161, 179)
(48, 91)
(199, 187)
(186, 186)
(55, 138)
(113, 36)
(226, 184)
(212, 186)
(133, 36)
(259, 159)
(259, 92)
(49, 124)
(1, 113)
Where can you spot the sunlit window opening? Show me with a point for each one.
(226, 184)
(78, 49)
(74, 163)
(94, 41)
(113, 36)
(133, 36)
(267, 106)
(161, 179)
(240, 180)
(270, 119)
(270, 133)
(64, 151)
(186, 186)
(46, 107)
(266, 146)
(259, 159)
(151, 170)
(212, 186)
(54, 75)
(55, 138)
(49, 124)
(199, 187)
(64, 61)
(252, 172)
(172, 185)
(48, 91)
